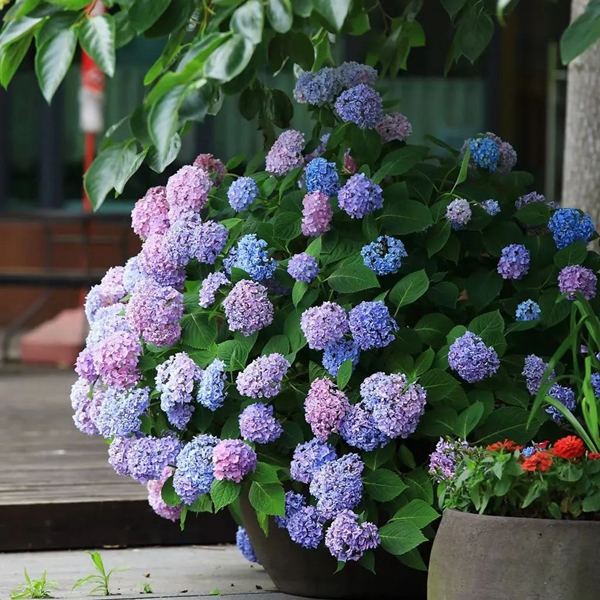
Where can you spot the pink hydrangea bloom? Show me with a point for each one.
(247, 307)
(286, 153)
(394, 126)
(187, 192)
(325, 407)
(213, 166)
(150, 213)
(233, 460)
(115, 359)
(155, 500)
(316, 214)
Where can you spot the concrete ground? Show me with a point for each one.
(185, 572)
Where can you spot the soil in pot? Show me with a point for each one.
(310, 573)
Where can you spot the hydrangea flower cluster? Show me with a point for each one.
(514, 262)
(337, 353)
(211, 390)
(195, 472)
(286, 153)
(213, 166)
(322, 176)
(459, 213)
(574, 279)
(533, 370)
(316, 214)
(565, 396)
(155, 500)
(360, 196)
(394, 126)
(507, 157)
(346, 539)
(150, 213)
(233, 460)
(485, 153)
(244, 545)
(361, 105)
(384, 255)
(442, 461)
(248, 308)
(258, 424)
(325, 324)
(210, 287)
(371, 325)
(120, 411)
(250, 255)
(309, 458)
(491, 207)
(569, 225)
(303, 267)
(528, 310)
(187, 192)
(262, 378)
(305, 527)
(242, 193)
(325, 407)
(472, 359)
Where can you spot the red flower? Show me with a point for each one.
(570, 447)
(540, 461)
(593, 456)
(507, 445)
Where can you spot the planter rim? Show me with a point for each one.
(524, 520)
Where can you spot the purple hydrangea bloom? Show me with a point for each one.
(210, 286)
(250, 255)
(115, 359)
(309, 458)
(258, 424)
(472, 359)
(193, 238)
(148, 456)
(394, 126)
(120, 412)
(442, 461)
(150, 213)
(529, 199)
(324, 324)
(514, 262)
(107, 320)
(595, 381)
(491, 207)
(86, 404)
(346, 539)
(153, 313)
(286, 153)
(533, 371)
(358, 429)
(322, 176)
(528, 311)
(337, 353)
(569, 225)
(118, 451)
(360, 196)
(101, 296)
(195, 473)
(565, 396)
(84, 366)
(211, 389)
(305, 527)
(154, 487)
(247, 307)
(384, 255)
(316, 214)
(293, 503)
(242, 193)
(459, 213)
(360, 104)
(352, 73)
(213, 166)
(317, 88)
(187, 192)
(371, 325)
(338, 485)
(132, 274)
(485, 153)
(155, 260)
(575, 278)
(303, 267)
(263, 376)
(242, 541)
(325, 407)
(233, 460)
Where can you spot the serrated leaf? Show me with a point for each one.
(97, 38)
(53, 59)
(399, 537)
(383, 485)
(267, 498)
(265, 473)
(418, 512)
(410, 288)
(277, 343)
(224, 492)
(198, 331)
(352, 277)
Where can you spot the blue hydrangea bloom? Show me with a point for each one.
(358, 429)
(322, 176)
(251, 256)
(241, 193)
(371, 325)
(485, 153)
(195, 472)
(596, 384)
(384, 255)
(303, 267)
(491, 207)
(565, 396)
(317, 88)
(360, 104)
(211, 390)
(242, 541)
(527, 452)
(309, 458)
(569, 225)
(120, 411)
(528, 311)
(293, 503)
(337, 353)
(305, 527)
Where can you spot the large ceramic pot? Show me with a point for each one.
(477, 557)
(310, 573)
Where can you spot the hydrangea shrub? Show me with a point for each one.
(304, 335)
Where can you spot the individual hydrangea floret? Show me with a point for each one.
(533, 371)
(576, 278)
(293, 503)
(195, 473)
(358, 429)
(305, 527)
(148, 456)
(529, 310)
(352, 73)
(316, 214)
(346, 539)
(209, 288)
(569, 225)
(155, 500)
(459, 213)
(115, 359)
(394, 126)
(565, 396)
(514, 262)
(309, 458)
(303, 267)
(324, 324)
(120, 412)
(317, 88)
(211, 389)
(258, 424)
(286, 153)
(485, 153)
(371, 325)
(322, 176)
(213, 166)
(156, 261)
(384, 255)
(233, 460)
(242, 541)
(360, 196)
(247, 307)
(325, 407)
(443, 460)
(263, 376)
(361, 105)
(86, 404)
(491, 207)
(150, 213)
(187, 192)
(472, 359)
(242, 193)
(250, 255)
(337, 353)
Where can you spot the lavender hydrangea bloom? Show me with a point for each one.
(472, 359)
(153, 312)
(210, 286)
(317, 88)
(86, 405)
(442, 462)
(360, 196)
(208, 242)
(530, 198)
(575, 278)
(528, 310)
(338, 485)
(394, 126)
(242, 541)
(360, 104)
(148, 456)
(213, 166)
(154, 487)
(371, 325)
(533, 371)
(187, 192)
(324, 324)
(192, 238)
(150, 213)
(459, 213)
(258, 424)
(84, 366)
(251, 256)
(322, 176)
(118, 451)
(384, 255)
(491, 207)
(101, 296)
(337, 353)
(233, 460)
(211, 389)
(303, 267)
(565, 396)
(115, 359)
(485, 153)
(293, 503)
(263, 376)
(107, 320)
(316, 214)
(195, 473)
(286, 153)
(358, 429)
(120, 412)
(242, 193)
(132, 274)
(305, 527)
(569, 225)
(309, 458)
(346, 539)
(325, 407)
(351, 73)
(247, 307)
(514, 262)
(155, 260)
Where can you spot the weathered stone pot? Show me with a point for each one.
(477, 557)
(310, 573)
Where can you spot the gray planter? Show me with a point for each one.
(478, 557)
